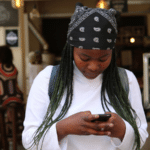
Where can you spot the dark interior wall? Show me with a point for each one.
(132, 21)
(54, 30)
(55, 33)
(60, 7)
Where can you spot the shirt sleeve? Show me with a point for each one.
(36, 109)
(136, 103)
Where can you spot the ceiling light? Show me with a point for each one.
(132, 40)
(17, 3)
(102, 4)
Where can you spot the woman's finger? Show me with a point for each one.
(89, 117)
(94, 132)
(106, 126)
(100, 126)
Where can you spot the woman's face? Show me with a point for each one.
(92, 62)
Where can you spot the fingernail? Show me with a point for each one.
(111, 125)
(96, 116)
(109, 133)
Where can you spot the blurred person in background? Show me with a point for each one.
(9, 90)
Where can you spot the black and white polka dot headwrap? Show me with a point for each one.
(92, 28)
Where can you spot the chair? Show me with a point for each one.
(3, 138)
(15, 125)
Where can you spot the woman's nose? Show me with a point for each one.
(93, 67)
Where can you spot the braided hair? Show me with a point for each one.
(111, 84)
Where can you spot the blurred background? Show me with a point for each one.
(36, 31)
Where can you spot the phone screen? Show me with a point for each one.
(102, 117)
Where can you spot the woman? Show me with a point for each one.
(88, 84)
(9, 90)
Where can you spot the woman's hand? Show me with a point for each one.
(80, 124)
(119, 128)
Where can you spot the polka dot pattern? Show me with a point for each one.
(81, 39)
(97, 29)
(96, 40)
(82, 29)
(96, 19)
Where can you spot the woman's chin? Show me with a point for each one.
(90, 76)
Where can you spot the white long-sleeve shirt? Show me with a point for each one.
(86, 97)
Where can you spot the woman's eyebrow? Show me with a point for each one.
(90, 56)
(85, 55)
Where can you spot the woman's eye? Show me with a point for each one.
(102, 60)
(84, 59)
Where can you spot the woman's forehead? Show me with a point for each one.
(92, 53)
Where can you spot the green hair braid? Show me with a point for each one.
(63, 82)
(118, 98)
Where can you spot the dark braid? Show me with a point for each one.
(111, 84)
(63, 82)
(118, 97)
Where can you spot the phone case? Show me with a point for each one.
(102, 117)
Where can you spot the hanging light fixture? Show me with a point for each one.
(17, 3)
(102, 4)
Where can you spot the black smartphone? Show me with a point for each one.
(102, 117)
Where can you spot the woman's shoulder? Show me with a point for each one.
(41, 81)
(131, 76)
(45, 73)
(129, 72)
